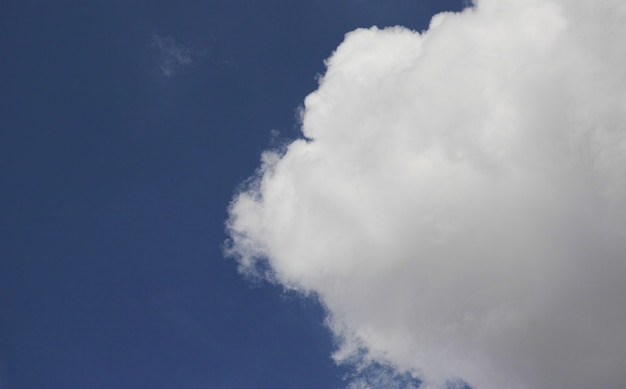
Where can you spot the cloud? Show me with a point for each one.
(173, 56)
(458, 199)
(374, 376)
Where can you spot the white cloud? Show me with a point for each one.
(459, 203)
(173, 56)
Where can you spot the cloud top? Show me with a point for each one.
(458, 202)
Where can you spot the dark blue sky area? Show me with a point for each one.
(116, 177)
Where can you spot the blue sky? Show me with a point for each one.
(177, 177)
(126, 128)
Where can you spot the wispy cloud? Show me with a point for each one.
(458, 202)
(374, 376)
(174, 57)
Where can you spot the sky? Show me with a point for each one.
(330, 194)
(126, 128)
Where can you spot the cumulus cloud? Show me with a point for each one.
(173, 56)
(458, 199)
